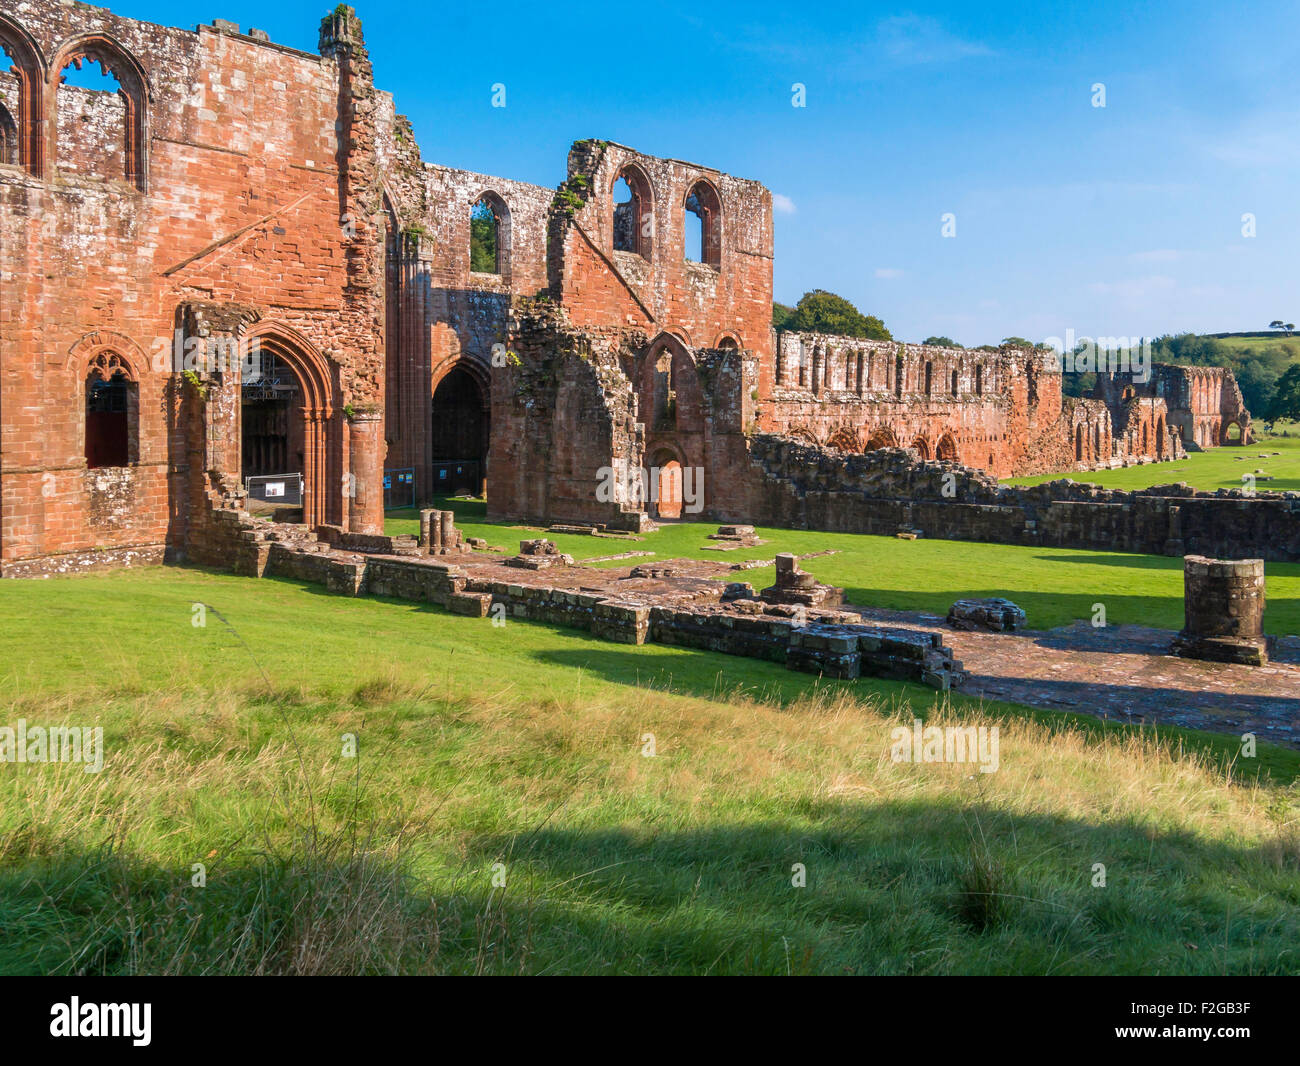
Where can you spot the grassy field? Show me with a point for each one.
(503, 814)
(1055, 586)
(1218, 468)
(1263, 341)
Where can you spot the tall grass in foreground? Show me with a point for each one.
(485, 834)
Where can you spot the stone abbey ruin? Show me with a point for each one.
(235, 195)
(237, 269)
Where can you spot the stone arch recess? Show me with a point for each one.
(322, 431)
(114, 59)
(33, 76)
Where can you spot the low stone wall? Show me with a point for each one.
(828, 643)
(85, 561)
(879, 492)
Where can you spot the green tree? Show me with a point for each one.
(1018, 342)
(824, 312)
(483, 239)
(781, 315)
(942, 342)
(1286, 396)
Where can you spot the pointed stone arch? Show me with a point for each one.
(317, 405)
(882, 437)
(668, 382)
(113, 58)
(702, 201)
(632, 223)
(922, 447)
(33, 75)
(844, 439)
(495, 203)
(947, 450)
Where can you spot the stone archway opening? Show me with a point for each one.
(273, 439)
(288, 414)
(1232, 433)
(922, 447)
(946, 449)
(666, 480)
(882, 438)
(459, 442)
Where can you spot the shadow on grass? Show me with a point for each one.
(1045, 610)
(894, 887)
(1137, 562)
(901, 887)
(709, 675)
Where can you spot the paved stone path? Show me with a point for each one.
(1123, 673)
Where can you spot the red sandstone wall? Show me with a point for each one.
(242, 205)
(698, 303)
(983, 409)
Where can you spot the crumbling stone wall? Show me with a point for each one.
(219, 202)
(564, 419)
(881, 492)
(657, 289)
(311, 225)
(1002, 412)
(1200, 403)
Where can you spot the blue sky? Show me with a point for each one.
(1117, 221)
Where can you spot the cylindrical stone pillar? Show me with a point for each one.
(1223, 611)
(366, 450)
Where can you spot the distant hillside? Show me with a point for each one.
(1259, 341)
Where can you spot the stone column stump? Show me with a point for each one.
(1223, 605)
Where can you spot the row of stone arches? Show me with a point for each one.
(849, 440)
(38, 133)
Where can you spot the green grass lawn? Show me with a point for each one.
(1218, 468)
(1055, 586)
(504, 816)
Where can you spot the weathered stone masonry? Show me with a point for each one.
(242, 207)
(238, 193)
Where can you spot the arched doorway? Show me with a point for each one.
(288, 419)
(922, 447)
(947, 448)
(1232, 434)
(272, 436)
(665, 486)
(460, 433)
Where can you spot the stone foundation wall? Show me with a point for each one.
(830, 644)
(804, 487)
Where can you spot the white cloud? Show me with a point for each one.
(914, 39)
(782, 204)
(1135, 290)
(1157, 255)
(888, 272)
